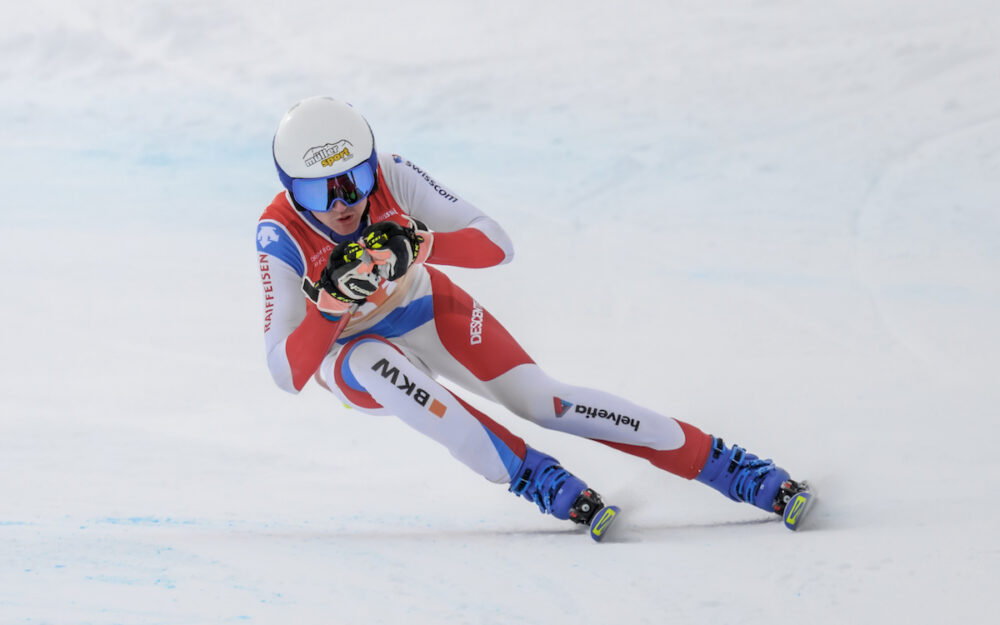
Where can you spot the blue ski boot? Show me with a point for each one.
(742, 476)
(558, 492)
(542, 480)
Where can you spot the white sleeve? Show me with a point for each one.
(430, 202)
(284, 310)
(282, 266)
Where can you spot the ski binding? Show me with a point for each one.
(590, 510)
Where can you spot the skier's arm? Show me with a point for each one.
(297, 335)
(464, 236)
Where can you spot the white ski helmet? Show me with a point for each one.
(324, 151)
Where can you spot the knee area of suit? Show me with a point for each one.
(366, 353)
(376, 359)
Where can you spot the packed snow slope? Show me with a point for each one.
(779, 221)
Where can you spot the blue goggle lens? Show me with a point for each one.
(350, 187)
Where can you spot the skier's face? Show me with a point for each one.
(341, 218)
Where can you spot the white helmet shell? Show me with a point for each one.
(321, 137)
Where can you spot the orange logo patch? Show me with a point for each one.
(437, 409)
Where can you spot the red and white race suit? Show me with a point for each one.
(422, 326)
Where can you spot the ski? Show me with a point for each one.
(602, 522)
(797, 509)
(589, 510)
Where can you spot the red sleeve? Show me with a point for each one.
(467, 247)
(308, 344)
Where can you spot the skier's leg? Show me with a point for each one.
(669, 444)
(374, 374)
(477, 352)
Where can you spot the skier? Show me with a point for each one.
(352, 300)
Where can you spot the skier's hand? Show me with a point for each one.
(348, 278)
(395, 248)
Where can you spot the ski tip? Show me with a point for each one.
(602, 522)
(797, 509)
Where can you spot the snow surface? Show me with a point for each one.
(777, 220)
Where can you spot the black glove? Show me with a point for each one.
(348, 278)
(393, 247)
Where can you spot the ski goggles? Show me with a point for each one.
(350, 187)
